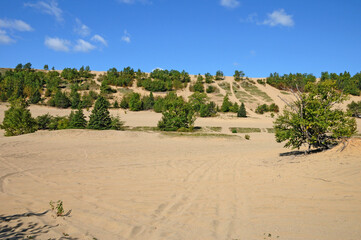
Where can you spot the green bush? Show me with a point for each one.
(210, 89)
(43, 121)
(179, 114)
(247, 137)
(116, 123)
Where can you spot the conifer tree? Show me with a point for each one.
(242, 111)
(77, 119)
(18, 119)
(226, 104)
(100, 117)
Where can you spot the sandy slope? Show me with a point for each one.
(128, 185)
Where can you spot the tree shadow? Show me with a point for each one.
(305, 153)
(16, 227)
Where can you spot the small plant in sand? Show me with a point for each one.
(58, 207)
(247, 137)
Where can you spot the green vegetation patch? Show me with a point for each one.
(198, 134)
(252, 89)
(270, 130)
(244, 130)
(225, 86)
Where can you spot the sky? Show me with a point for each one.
(258, 37)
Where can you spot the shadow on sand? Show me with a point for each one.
(16, 227)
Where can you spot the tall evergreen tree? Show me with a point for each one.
(77, 119)
(100, 116)
(242, 111)
(226, 105)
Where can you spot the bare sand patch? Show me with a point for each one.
(136, 185)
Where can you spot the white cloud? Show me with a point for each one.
(57, 44)
(4, 38)
(83, 46)
(230, 3)
(50, 8)
(126, 37)
(15, 24)
(100, 39)
(81, 29)
(279, 17)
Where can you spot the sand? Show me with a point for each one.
(137, 185)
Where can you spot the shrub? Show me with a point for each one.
(234, 130)
(18, 120)
(179, 114)
(43, 121)
(247, 137)
(116, 123)
(210, 89)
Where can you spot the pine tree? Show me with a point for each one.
(242, 111)
(100, 116)
(18, 119)
(226, 104)
(77, 119)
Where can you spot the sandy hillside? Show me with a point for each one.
(151, 185)
(136, 185)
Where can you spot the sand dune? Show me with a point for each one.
(135, 185)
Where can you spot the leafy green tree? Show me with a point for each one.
(196, 100)
(238, 75)
(135, 103)
(198, 86)
(100, 117)
(226, 105)
(242, 111)
(208, 110)
(234, 108)
(312, 119)
(209, 78)
(219, 75)
(77, 119)
(46, 67)
(18, 119)
(179, 114)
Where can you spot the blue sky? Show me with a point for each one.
(256, 36)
